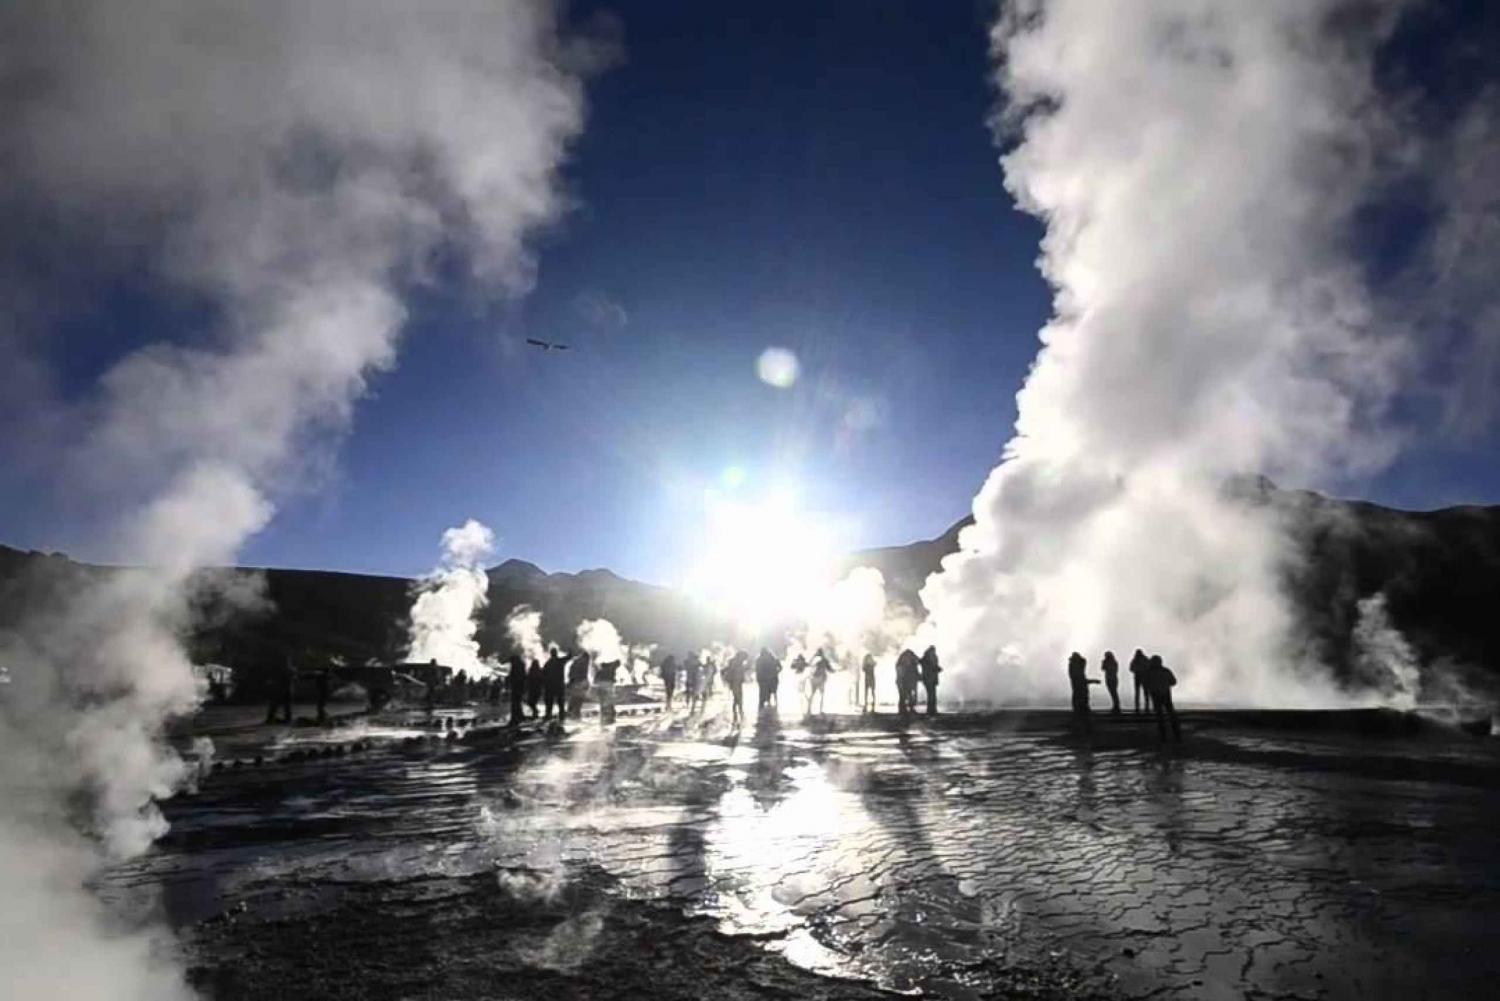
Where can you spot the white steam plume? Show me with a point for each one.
(851, 618)
(442, 615)
(1197, 164)
(601, 640)
(292, 166)
(524, 627)
(1383, 659)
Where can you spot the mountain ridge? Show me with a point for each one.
(1438, 569)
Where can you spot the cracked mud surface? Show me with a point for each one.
(968, 856)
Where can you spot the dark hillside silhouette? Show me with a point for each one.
(1439, 571)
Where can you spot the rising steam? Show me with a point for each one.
(524, 627)
(1197, 165)
(448, 599)
(294, 167)
(601, 640)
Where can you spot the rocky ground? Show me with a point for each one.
(976, 855)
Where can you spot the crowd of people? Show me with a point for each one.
(563, 682)
(1154, 682)
(559, 687)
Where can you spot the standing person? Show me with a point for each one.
(325, 685)
(734, 679)
(710, 671)
(1111, 669)
(817, 689)
(692, 683)
(867, 697)
(554, 682)
(534, 686)
(1159, 682)
(767, 676)
(1079, 682)
(930, 671)
(517, 679)
(906, 682)
(604, 682)
(1139, 668)
(669, 677)
(283, 681)
(578, 684)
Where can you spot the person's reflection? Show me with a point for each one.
(1164, 793)
(764, 777)
(1083, 764)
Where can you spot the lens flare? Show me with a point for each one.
(777, 367)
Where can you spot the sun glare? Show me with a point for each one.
(761, 561)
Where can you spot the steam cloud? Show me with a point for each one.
(294, 167)
(1197, 166)
(524, 627)
(442, 616)
(601, 640)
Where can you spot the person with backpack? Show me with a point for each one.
(907, 670)
(1159, 682)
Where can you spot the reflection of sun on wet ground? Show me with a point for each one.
(912, 855)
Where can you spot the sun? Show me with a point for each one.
(761, 562)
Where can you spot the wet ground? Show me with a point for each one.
(971, 855)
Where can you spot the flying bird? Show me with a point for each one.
(547, 345)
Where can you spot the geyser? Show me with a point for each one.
(1198, 166)
(293, 167)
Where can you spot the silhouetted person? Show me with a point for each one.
(578, 684)
(867, 697)
(517, 679)
(1111, 669)
(1139, 663)
(767, 676)
(692, 683)
(817, 689)
(734, 679)
(283, 682)
(1079, 682)
(907, 669)
(325, 686)
(554, 682)
(930, 671)
(604, 683)
(1159, 682)
(534, 686)
(669, 677)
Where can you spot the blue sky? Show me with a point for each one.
(814, 176)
